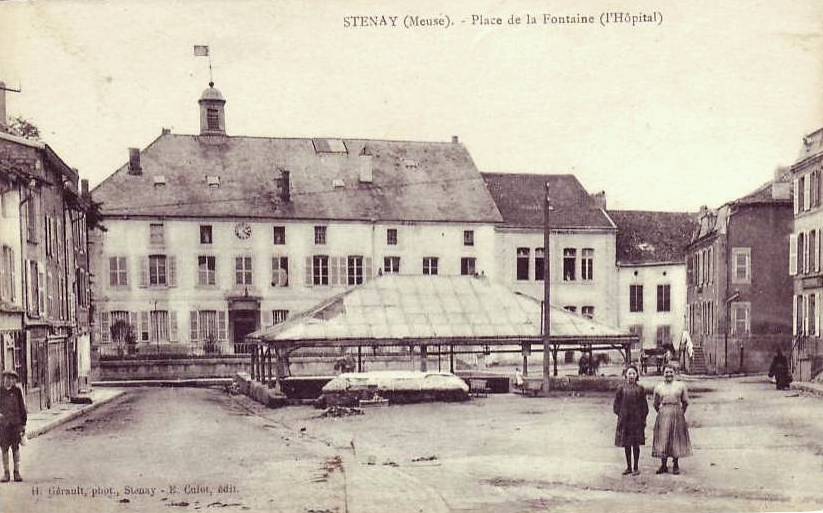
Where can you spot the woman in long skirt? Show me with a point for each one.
(631, 409)
(671, 432)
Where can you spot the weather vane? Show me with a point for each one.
(203, 51)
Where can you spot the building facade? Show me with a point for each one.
(739, 293)
(651, 275)
(211, 236)
(582, 243)
(805, 255)
(45, 271)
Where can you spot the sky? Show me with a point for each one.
(697, 110)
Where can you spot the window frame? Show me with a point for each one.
(747, 254)
(157, 234)
(468, 266)
(389, 264)
(354, 270)
(664, 300)
(153, 267)
(320, 235)
(279, 235)
(431, 266)
(569, 264)
(210, 275)
(244, 267)
(206, 232)
(468, 237)
(391, 236)
(522, 255)
(635, 298)
(587, 264)
(320, 270)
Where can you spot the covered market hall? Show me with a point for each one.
(442, 315)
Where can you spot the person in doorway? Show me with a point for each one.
(671, 432)
(779, 370)
(631, 408)
(12, 423)
(518, 379)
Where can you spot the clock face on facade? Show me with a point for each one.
(242, 230)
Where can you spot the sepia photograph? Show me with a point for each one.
(509, 256)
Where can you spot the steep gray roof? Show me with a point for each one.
(645, 237)
(419, 181)
(519, 197)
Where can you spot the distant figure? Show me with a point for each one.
(631, 409)
(779, 370)
(12, 423)
(644, 362)
(583, 365)
(671, 432)
(518, 379)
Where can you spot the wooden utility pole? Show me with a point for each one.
(546, 293)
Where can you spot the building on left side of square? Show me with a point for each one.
(44, 278)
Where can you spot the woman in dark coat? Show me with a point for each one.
(631, 409)
(12, 423)
(779, 370)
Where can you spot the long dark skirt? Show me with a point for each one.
(9, 436)
(671, 433)
(628, 434)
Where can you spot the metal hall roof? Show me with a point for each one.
(458, 310)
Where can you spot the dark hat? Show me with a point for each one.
(11, 373)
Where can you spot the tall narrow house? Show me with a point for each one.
(738, 288)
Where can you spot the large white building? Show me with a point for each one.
(211, 236)
(651, 274)
(582, 242)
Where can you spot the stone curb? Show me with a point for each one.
(194, 382)
(59, 421)
(812, 388)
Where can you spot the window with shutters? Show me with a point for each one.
(354, 270)
(279, 316)
(467, 266)
(741, 313)
(587, 311)
(157, 234)
(430, 265)
(206, 270)
(7, 274)
(243, 270)
(741, 265)
(158, 270)
(801, 188)
(280, 271)
(391, 236)
(391, 265)
(35, 304)
(812, 324)
(207, 322)
(159, 325)
(279, 235)
(812, 249)
(798, 313)
(319, 234)
(523, 255)
(710, 265)
(635, 298)
(120, 324)
(468, 237)
(320, 270)
(144, 326)
(31, 218)
(587, 264)
(539, 264)
(569, 264)
(664, 298)
(118, 272)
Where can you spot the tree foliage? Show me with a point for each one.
(21, 127)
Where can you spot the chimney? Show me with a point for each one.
(165, 131)
(455, 139)
(134, 162)
(366, 169)
(600, 199)
(2, 103)
(781, 190)
(285, 186)
(84, 188)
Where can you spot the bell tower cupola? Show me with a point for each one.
(212, 112)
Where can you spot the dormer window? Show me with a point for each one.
(410, 164)
(213, 181)
(212, 119)
(338, 183)
(159, 181)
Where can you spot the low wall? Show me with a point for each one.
(758, 351)
(579, 383)
(171, 368)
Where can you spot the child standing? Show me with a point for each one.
(631, 409)
(12, 423)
